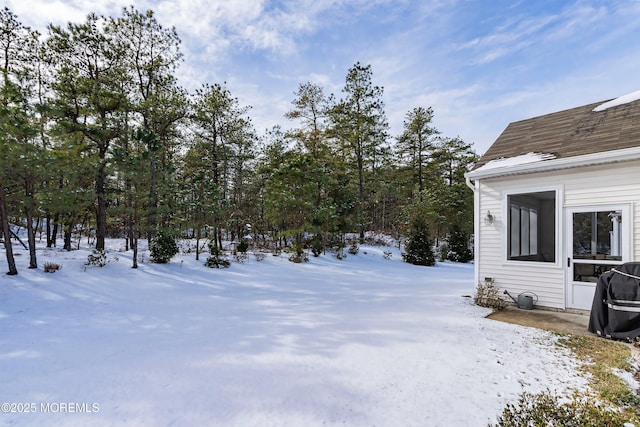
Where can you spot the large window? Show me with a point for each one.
(531, 231)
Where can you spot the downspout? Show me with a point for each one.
(467, 181)
(475, 187)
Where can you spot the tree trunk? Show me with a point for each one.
(54, 232)
(6, 231)
(49, 241)
(101, 212)
(198, 243)
(134, 247)
(31, 237)
(152, 218)
(67, 236)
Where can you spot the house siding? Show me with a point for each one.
(588, 186)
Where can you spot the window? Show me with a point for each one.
(532, 227)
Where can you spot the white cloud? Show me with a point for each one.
(513, 36)
(37, 14)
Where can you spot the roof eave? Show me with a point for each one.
(614, 156)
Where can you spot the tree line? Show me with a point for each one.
(97, 136)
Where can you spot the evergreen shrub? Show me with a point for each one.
(298, 255)
(316, 246)
(97, 258)
(418, 248)
(339, 251)
(243, 246)
(459, 246)
(217, 258)
(443, 252)
(163, 247)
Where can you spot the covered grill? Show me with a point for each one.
(615, 313)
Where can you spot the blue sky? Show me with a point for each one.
(480, 64)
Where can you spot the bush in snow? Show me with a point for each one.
(217, 258)
(353, 248)
(443, 252)
(418, 248)
(298, 255)
(339, 251)
(243, 246)
(97, 258)
(241, 257)
(489, 296)
(162, 247)
(50, 267)
(459, 246)
(316, 246)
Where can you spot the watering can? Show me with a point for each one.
(525, 300)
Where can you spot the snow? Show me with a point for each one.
(624, 99)
(361, 341)
(505, 162)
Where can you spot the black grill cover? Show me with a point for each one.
(615, 312)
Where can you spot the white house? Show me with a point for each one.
(557, 202)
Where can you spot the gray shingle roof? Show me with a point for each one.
(571, 132)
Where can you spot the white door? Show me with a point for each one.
(598, 239)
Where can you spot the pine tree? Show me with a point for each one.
(157, 104)
(418, 248)
(416, 142)
(88, 98)
(20, 157)
(459, 245)
(359, 125)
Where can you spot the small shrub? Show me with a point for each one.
(162, 247)
(241, 257)
(298, 255)
(488, 295)
(260, 255)
(217, 258)
(317, 247)
(353, 248)
(243, 246)
(387, 254)
(50, 267)
(443, 252)
(545, 409)
(97, 258)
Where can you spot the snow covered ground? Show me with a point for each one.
(361, 342)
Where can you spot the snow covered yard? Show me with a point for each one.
(363, 341)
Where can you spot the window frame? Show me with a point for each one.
(506, 234)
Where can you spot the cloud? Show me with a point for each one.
(517, 33)
(37, 14)
(512, 36)
(240, 24)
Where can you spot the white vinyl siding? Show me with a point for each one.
(588, 186)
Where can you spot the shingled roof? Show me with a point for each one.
(569, 133)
